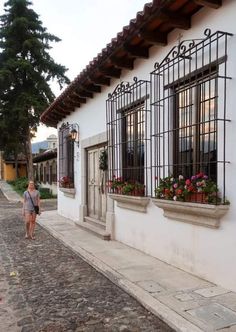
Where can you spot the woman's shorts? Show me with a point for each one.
(30, 212)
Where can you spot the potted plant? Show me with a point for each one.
(127, 188)
(198, 189)
(119, 186)
(139, 189)
(65, 182)
(116, 184)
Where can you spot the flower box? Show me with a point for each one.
(197, 189)
(207, 215)
(198, 197)
(129, 188)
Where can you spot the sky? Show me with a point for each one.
(84, 27)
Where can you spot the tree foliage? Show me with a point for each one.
(26, 70)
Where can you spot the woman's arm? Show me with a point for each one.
(39, 203)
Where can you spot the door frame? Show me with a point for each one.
(91, 148)
(98, 139)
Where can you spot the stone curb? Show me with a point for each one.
(169, 316)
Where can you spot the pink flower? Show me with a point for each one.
(175, 185)
(200, 175)
(188, 182)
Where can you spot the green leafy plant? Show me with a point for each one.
(127, 188)
(119, 186)
(180, 189)
(19, 185)
(103, 160)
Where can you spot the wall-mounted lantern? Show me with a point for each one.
(74, 133)
(71, 131)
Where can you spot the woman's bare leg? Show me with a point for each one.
(27, 225)
(32, 225)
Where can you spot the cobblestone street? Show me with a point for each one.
(46, 287)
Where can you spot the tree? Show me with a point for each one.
(26, 70)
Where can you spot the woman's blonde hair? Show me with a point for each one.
(31, 181)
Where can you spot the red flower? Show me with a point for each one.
(200, 175)
(188, 182)
(179, 192)
(191, 189)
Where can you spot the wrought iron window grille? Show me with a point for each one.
(188, 107)
(128, 136)
(66, 156)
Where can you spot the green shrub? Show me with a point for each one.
(19, 185)
(45, 193)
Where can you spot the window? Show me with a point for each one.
(47, 172)
(66, 154)
(44, 174)
(188, 107)
(133, 134)
(195, 128)
(128, 132)
(41, 173)
(54, 171)
(50, 174)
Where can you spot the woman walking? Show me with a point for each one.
(31, 203)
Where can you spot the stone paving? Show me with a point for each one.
(45, 287)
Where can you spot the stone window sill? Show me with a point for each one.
(69, 192)
(135, 203)
(193, 213)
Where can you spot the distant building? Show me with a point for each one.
(45, 169)
(8, 167)
(49, 143)
(45, 164)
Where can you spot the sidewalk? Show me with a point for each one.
(10, 194)
(183, 301)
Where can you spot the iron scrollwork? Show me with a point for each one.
(122, 87)
(182, 49)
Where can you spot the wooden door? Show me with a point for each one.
(96, 186)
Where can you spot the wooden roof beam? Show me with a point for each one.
(176, 20)
(100, 80)
(71, 102)
(123, 62)
(51, 122)
(61, 110)
(66, 107)
(93, 88)
(111, 72)
(155, 38)
(74, 96)
(55, 117)
(209, 3)
(83, 93)
(137, 51)
(58, 113)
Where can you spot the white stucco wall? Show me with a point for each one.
(209, 253)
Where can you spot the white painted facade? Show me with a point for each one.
(205, 252)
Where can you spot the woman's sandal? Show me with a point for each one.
(26, 236)
(33, 238)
